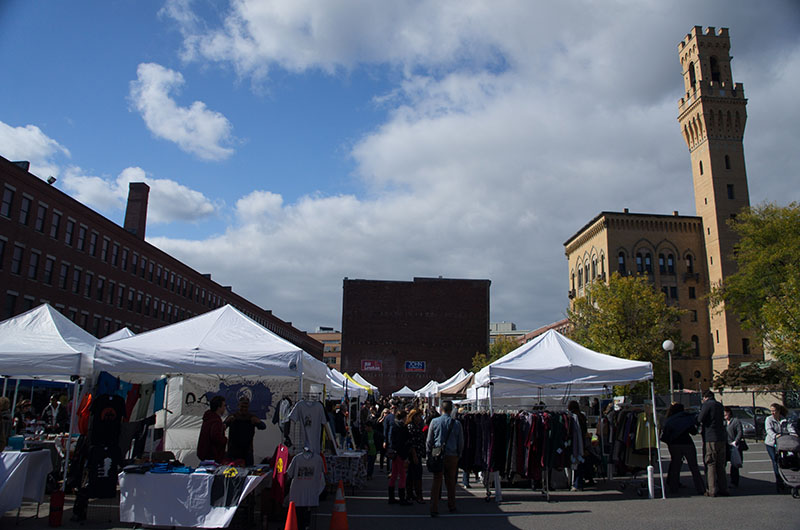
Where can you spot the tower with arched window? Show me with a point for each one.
(712, 116)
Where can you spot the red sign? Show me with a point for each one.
(371, 366)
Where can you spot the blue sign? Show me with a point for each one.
(415, 366)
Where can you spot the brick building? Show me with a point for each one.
(102, 276)
(397, 333)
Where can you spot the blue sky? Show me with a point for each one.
(290, 144)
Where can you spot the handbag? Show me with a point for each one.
(736, 458)
(743, 445)
(435, 457)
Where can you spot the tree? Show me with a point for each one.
(764, 292)
(627, 318)
(755, 376)
(499, 348)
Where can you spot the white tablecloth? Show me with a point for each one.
(172, 499)
(23, 475)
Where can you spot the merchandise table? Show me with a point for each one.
(23, 476)
(350, 467)
(176, 499)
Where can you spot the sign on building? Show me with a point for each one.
(371, 365)
(415, 366)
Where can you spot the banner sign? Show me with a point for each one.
(415, 366)
(371, 365)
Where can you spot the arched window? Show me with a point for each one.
(695, 346)
(594, 268)
(689, 264)
(715, 76)
(727, 162)
(580, 278)
(602, 265)
(639, 262)
(621, 263)
(662, 264)
(670, 264)
(692, 79)
(648, 263)
(586, 273)
(573, 281)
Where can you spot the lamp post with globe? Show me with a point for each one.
(668, 346)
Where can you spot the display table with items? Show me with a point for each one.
(23, 476)
(185, 497)
(348, 466)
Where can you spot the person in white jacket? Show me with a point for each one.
(776, 425)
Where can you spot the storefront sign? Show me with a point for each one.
(415, 366)
(371, 366)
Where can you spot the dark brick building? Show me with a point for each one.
(407, 333)
(102, 276)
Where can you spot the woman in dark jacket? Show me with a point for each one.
(417, 453)
(399, 445)
(677, 434)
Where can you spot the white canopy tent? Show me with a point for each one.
(403, 392)
(552, 363)
(353, 390)
(123, 333)
(428, 390)
(455, 379)
(364, 382)
(221, 349)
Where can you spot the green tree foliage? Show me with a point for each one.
(499, 348)
(627, 318)
(755, 376)
(764, 292)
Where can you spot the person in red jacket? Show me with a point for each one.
(212, 441)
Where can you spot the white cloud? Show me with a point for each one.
(195, 129)
(510, 126)
(169, 201)
(32, 144)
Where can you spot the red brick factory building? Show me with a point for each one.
(397, 333)
(100, 275)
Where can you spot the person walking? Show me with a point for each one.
(735, 441)
(715, 439)
(212, 441)
(399, 446)
(776, 426)
(679, 426)
(445, 432)
(417, 440)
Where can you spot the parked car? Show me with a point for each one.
(753, 428)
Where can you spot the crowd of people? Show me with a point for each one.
(54, 418)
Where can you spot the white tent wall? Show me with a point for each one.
(188, 398)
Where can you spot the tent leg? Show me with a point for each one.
(166, 413)
(14, 401)
(73, 413)
(658, 443)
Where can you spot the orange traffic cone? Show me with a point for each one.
(291, 518)
(339, 515)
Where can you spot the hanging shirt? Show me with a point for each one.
(108, 411)
(311, 417)
(281, 462)
(308, 479)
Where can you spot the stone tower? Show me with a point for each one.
(712, 115)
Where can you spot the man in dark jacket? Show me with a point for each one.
(211, 442)
(241, 431)
(712, 420)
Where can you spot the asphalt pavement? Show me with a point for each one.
(619, 504)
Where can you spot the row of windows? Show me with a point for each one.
(644, 263)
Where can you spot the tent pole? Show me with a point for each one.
(166, 412)
(14, 403)
(72, 414)
(5, 384)
(491, 406)
(300, 370)
(658, 442)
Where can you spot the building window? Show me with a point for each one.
(158, 275)
(16, 259)
(586, 273)
(731, 194)
(41, 213)
(692, 293)
(76, 280)
(104, 249)
(648, 263)
(101, 285)
(121, 296)
(144, 267)
(717, 334)
(24, 210)
(63, 275)
(670, 264)
(693, 314)
(172, 281)
(695, 346)
(93, 244)
(673, 292)
(134, 263)
(115, 254)
(112, 288)
(89, 282)
(11, 304)
(689, 264)
(639, 263)
(701, 167)
(147, 302)
(130, 299)
(69, 231)
(49, 265)
(727, 162)
(580, 278)
(662, 264)
(139, 297)
(150, 271)
(8, 201)
(746, 346)
(124, 259)
(33, 266)
(81, 237)
(55, 222)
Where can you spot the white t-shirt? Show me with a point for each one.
(311, 417)
(308, 479)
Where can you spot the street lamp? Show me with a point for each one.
(668, 346)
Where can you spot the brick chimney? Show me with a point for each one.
(136, 212)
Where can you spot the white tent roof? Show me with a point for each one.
(428, 390)
(363, 381)
(222, 341)
(43, 342)
(403, 392)
(352, 389)
(454, 380)
(552, 360)
(123, 333)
